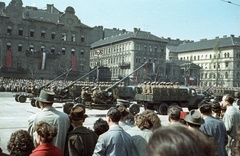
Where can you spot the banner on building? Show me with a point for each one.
(9, 59)
(154, 67)
(42, 61)
(136, 80)
(74, 63)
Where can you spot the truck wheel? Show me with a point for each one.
(134, 109)
(37, 104)
(22, 98)
(163, 109)
(33, 102)
(16, 98)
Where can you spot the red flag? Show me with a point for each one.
(74, 60)
(9, 59)
(136, 78)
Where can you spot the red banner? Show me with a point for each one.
(136, 78)
(74, 62)
(9, 59)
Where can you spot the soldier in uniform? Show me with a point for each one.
(95, 96)
(148, 88)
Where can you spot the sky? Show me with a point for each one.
(182, 19)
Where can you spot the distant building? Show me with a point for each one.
(125, 52)
(37, 43)
(218, 58)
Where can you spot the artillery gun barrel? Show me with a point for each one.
(116, 83)
(79, 79)
(55, 79)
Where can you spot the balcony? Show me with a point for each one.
(124, 65)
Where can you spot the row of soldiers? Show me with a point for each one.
(147, 87)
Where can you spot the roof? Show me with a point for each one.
(129, 35)
(209, 44)
(41, 15)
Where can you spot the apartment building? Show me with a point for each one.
(218, 58)
(125, 52)
(42, 43)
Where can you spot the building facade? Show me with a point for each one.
(218, 58)
(36, 43)
(127, 51)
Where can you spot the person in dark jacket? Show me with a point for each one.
(80, 141)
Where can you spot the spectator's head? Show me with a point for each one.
(152, 120)
(100, 126)
(193, 119)
(123, 110)
(174, 113)
(114, 114)
(45, 132)
(178, 140)
(216, 109)
(227, 100)
(20, 143)
(205, 108)
(77, 113)
(67, 107)
(46, 97)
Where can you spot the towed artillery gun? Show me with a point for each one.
(126, 93)
(63, 95)
(34, 92)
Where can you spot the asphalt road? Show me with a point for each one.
(14, 116)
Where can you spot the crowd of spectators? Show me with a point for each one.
(209, 130)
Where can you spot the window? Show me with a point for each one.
(226, 75)
(63, 51)
(82, 52)
(82, 38)
(73, 39)
(73, 51)
(52, 50)
(206, 75)
(31, 48)
(42, 48)
(53, 35)
(9, 46)
(43, 33)
(9, 30)
(64, 37)
(226, 64)
(31, 33)
(20, 31)
(19, 47)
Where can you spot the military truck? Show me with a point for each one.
(162, 98)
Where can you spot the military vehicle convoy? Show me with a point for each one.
(161, 98)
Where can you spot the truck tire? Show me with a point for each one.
(33, 102)
(22, 98)
(134, 109)
(16, 98)
(163, 109)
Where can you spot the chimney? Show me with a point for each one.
(232, 35)
(224, 36)
(216, 37)
(2, 7)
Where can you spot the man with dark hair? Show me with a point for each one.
(174, 113)
(100, 126)
(213, 127)
(231, 120)
(115, 141)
